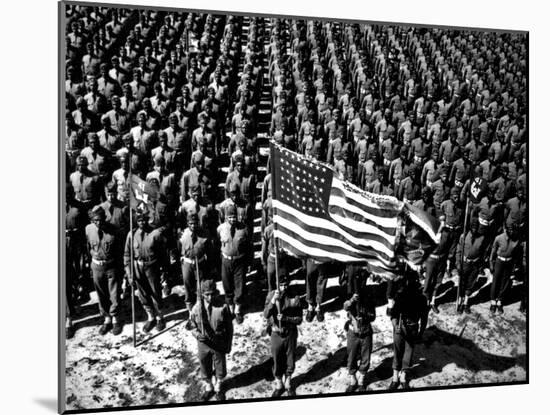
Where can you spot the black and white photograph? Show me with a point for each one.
(265, 207)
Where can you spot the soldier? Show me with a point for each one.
(361, 312)
(150, 255)
(469, 257)
(116, 213)
(197, 175)
(235, 249)
(85, 185)
(316, 283)
(409, 316)
(194, 247)
(284, 315)
(212, 326)
(103, 249)
(452, 215)
(505, 252)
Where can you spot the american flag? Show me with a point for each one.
(318, 215)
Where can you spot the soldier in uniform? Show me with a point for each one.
(116, 213)
(195, 247)
(469, 257)
(409, 316)
(212, 326)
(234, 238)
(284, 314)
(103, 248)
(506, 251)
(150, 255)
(361, 312)
(85, 184)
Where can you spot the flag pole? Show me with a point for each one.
(131, 248)
(464, 232)
(275, 242)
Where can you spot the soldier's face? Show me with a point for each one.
(232, 220)
(111, 196)
(193, 226)
(98, 222)
(141, 223)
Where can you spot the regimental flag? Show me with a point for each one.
(318, 215)
(478, 189)
(142, 194)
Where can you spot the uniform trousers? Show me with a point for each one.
(435, 270)
(403, 348)
(107, 286)
(316, 282)
(359, 349)
(283, 348)
(468, 277)
(147, 279)
(211, 362)
(501, 279)
(233, 279)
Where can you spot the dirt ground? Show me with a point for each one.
(107, 371)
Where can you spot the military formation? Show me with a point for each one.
(189, 101)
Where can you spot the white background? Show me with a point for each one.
(28, 262)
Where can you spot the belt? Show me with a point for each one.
(418, 159)
(458, 183)
(504, 259)
(485, 222)
(272, 255)
(230, 258)
(470, 260)
(387, 162)
(192, 260)
(83, 201)
(141, 262)
(453, 228)
(434, 256)
(102, 262)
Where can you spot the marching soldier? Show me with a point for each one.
(469, 257)
(284, 315)
(103, 247)
(235, 249)
(150, 255)
(409, 317)
(195, 248)
(505, 252)
(212, 326)
(361, 312)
